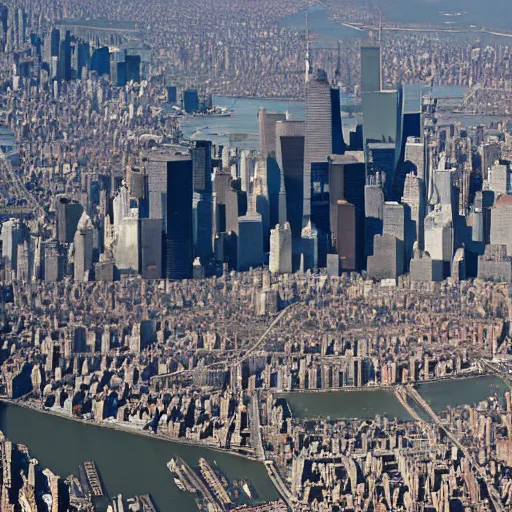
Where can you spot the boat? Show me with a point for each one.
(247, 490)
(179, 484)
(216, 112)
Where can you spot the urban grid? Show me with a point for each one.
(192, 273)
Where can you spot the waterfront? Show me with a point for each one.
(245, 119)
(129, 464)
(464, 12)
(368, 403)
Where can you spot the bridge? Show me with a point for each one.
(493, 493)
(237, 359)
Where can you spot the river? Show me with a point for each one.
(245, 119)
(129, 464)
(462, 15)
(367, 403)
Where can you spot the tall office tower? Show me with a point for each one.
(247, 169)
(52, 45)
(226, 157)
(374, 213)
(83, 245)
(202, 208)
(394, 223)
(394, 220)
(81, 58)
(422, 268)
(151, 248)
(290, 138)
(347, 181)
(345, 236)
(499, 178)
(387, 261)
(132, 68)
(190, 101)
(439, 239)
(155, 163)
(100, 61)
(444, 193)
(202, 199)
(323, 137)
(25, 263)
(309, 247)
(501, 224)
(68, 214)
(495, 264)
(126, 251)
(261, 196)
(64, 65)
(413, 199)
(202, 166)
(370, 69)
(415, 152)
(14, 233)
(231, 203)
(179, 237)
(267, 124)
(225, 248)
(281, 249)
(382, 135)
(137, 182)
(250, 241)
(53, 262)
(121, 209)
(268, 145)
(172, 94)
(490, 153)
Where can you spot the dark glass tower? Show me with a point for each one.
(190, 101)
(179, 238)
(290, 158)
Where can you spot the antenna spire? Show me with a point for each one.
(308, 63)
(380, 28)
(337, 73)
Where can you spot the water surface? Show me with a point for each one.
(129, 464)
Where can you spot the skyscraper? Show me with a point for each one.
(83, 244)
(250, 241)
(68, 214)
(345, 238)
(151, 248)
(190, 101)
(156, 168)
(370, 69)
(281, 249)
(323, 136)
(179, 237)
(202, 166)
(267, 124)
(290, 136)
(347, 182)
(14, 233)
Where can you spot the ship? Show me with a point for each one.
(179, 484)
(216, 112)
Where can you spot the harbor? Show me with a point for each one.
(143, 459)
